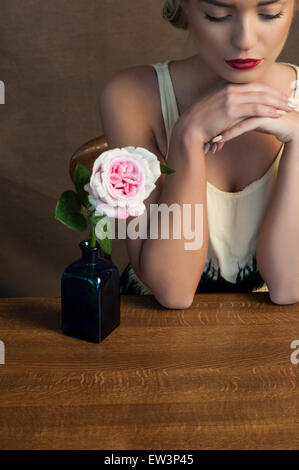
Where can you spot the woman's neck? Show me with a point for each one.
(203, 78)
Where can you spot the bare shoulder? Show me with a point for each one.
(142, 76)
(139, 86)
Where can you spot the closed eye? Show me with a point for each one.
(224, 18)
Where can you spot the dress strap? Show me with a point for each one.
(167, 97)
(295, 84)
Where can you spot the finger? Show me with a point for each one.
(214, 148)
(207, 147)
(256, 109)
(220, 146)
(260, 87)
(242, 127)
(267, 99)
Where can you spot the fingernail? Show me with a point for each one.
(207, 147)
(217, 139)
(281, 112)
(214, 148)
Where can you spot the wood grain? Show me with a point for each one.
(215, 376)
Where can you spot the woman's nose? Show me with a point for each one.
(244, 34)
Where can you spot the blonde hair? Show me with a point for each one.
(173, 12)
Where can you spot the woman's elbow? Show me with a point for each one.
(173, 301)
(170, 297)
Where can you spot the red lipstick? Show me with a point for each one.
(243, 64)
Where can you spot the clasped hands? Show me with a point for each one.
(285, 127)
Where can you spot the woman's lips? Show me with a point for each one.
(243, 64)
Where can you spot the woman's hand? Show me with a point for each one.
(228, 105)
(284, 129)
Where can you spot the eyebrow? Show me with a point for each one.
(228, 5)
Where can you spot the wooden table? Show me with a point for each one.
(218, 375)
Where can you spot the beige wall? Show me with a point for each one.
(55, 56)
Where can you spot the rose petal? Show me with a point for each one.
(121, 180)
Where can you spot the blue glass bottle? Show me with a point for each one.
(90, 296)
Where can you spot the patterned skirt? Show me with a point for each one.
(131, 284)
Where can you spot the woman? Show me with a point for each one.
(230, 130)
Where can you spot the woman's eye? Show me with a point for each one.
(223, 18)
(272, 17)
(213, 18)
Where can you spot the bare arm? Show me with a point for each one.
(277, 248)
(169, 270)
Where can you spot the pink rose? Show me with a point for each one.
(121, 180)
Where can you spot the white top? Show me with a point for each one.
(234, 219)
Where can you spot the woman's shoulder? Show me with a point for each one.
(142, 80)
(288, 77)
(141, 83)
(142, 76)
(290, 63)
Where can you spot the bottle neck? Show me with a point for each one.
(90, 254)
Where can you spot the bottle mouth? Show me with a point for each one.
(86, 244)
(95, 250)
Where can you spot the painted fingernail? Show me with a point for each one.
(281, 112)
(207, 147)
(214, 148)
(217, 139)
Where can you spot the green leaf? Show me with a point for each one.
(105, 243)
(68, 211)
(81, 178)
(166, 169)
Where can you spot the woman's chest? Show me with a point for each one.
(242, 161)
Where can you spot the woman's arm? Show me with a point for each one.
(171, 272)
(278, 243)
(167, 266)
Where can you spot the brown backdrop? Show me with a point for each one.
(55, 56)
